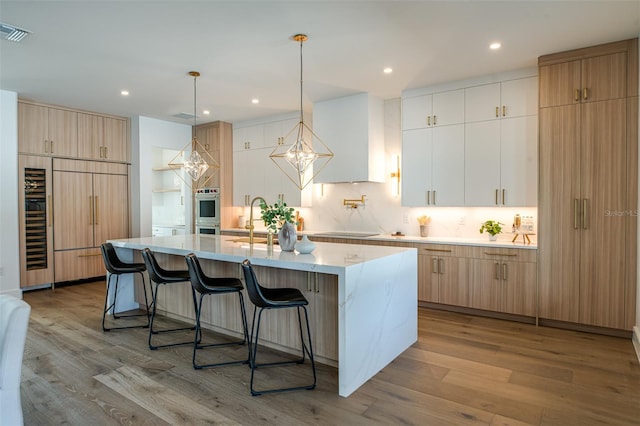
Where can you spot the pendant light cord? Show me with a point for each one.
(301, 119)
(194, 105)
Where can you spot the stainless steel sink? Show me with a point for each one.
(339, 234)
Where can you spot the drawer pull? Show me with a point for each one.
(442, 250)
(500, 254)
(90, 255)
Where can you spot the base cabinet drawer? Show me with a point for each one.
(73, 265)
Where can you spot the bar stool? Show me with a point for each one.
(275, 298)
(117, 267)
(162, 276)
(208, 286)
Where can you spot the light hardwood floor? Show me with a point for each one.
(463, 370)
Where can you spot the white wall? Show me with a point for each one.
(9, 242)
(147, 134)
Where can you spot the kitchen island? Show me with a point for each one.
(362, 299)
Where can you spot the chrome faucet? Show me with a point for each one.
(250, 225)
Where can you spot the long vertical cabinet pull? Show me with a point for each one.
(434, 197)
(576, 96)
(96, 210)
(90, 210)
(585, 93)
(434, 265)
(497, 203)
(497, 266)
(51, 146)
(584, 214)
(441, 268)
(497, 111)
(504, 111)
(316, 284)
(428, 197)
(504, 271)
(576, 209)
(434, 120)
(504, 196)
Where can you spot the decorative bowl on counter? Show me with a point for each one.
(305, 246)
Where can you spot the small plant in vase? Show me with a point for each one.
(493, 228)
(278, 218)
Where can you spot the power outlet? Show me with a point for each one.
(405, 218)
(462, 220)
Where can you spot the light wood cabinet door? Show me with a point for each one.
(36, 224)
(604, 193)
(559, 84)
(428, 278)
(517, 294)
(90, 136)
(111, 206)
(454, 280)
(115, 142)
(49, 131)
(73, 265)
(604, 77)
(485, 279)
(416, 167)
(559, 213)
(73, 208)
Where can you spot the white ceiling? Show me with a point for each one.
(83, 53)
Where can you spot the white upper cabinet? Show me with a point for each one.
(448, 166)
(438, 109)
(353, 128)
(512, 98)
(416, 167)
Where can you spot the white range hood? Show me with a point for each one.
(353, 128)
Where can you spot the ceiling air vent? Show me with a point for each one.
(184, 116)
(12, 33)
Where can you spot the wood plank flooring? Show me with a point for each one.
(464, 370)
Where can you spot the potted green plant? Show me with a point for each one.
(493, 228)
(278, 218)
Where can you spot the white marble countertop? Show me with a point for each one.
(327, 257)
(503, 242)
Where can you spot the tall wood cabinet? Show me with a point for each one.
(68, 205)
(588, 185)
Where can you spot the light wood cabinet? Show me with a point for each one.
(36, 221)
(441, 275)
(588, 196)
(91, 205)
(102, 138)
(46, 130)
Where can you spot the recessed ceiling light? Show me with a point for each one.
(387, 70)
(124, 92)
(255, 101)
(495, 45)
(206, 112)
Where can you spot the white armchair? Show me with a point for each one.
(14, 321)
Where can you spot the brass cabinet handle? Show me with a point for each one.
(428, 197)
(96, 210)
(46, 144)
(317, 286)
(428, 120)
(434, 120)
(441, 261)
(497, 265)
(309, 281)
(106, 152)
(504, 195)
(585, 93)
(90, 255)
(90, 210)
(497, 112)
(496, 197)
(441, 250)
(434, 265)
(576, 207)
(434, 197)
(584, 214)
(504, 271)
(576, 96)
(500, 254)
(504, 111)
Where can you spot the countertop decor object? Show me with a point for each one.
(279, 218)
(305, 246)
(287, 237)
(493, 228)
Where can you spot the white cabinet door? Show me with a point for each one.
(482, 163)
(416, 167)
(519, 97)
(448, 108)
(272, 133)
(482, 103)
(448, 166)
(415, 112)
(519, 161)
(242, 175)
